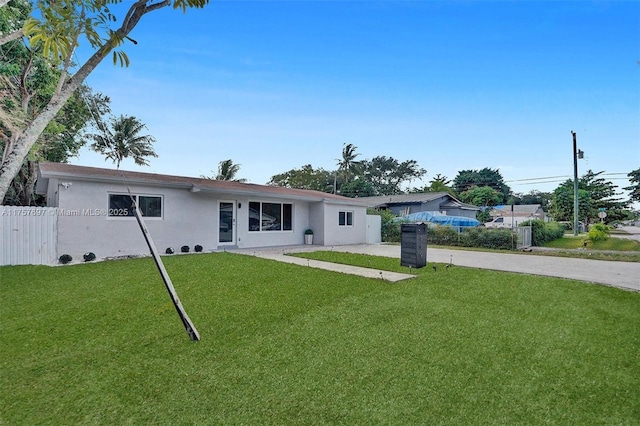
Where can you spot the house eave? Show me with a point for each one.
(194, 185)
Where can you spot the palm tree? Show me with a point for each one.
(123, 140)
(227, 170)
(347, 165)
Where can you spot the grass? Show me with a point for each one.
(283, 344)
(613, 249)
(611, 244)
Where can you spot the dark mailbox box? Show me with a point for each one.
(413, 245)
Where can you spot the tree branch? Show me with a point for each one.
(11, 36)
(67, 61)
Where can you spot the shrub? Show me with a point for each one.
(390, 227)
(65, 258)
(308, 232)
(184, 249)
(391, 232)
(88, 257)
(197, 248)
(501, 239)
(442, 235)
(543, 232)
(598, 232)
(169, 250)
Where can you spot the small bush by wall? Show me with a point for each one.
(89, 257)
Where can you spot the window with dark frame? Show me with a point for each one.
(345, 218)
(270, 216)
(121, 205)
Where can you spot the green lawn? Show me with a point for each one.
(283, 344)
(613, 243)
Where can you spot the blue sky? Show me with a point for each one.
(454, 85)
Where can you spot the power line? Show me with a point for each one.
(563, 177)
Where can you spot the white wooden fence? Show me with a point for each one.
(28, 235)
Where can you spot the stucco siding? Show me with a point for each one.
(246, 238)
(191, 213)
(84, 224)
(316, 222)
(187, 219)
(334, 234)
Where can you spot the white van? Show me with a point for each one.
(506, 222)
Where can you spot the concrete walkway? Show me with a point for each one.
(280, 254)
(617, 274)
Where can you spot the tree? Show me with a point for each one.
(533, 197)
(481, 196)
(634, 178)
(61, 140)
(123, 140)
(594, 193)
(387, 174)
(347, 165)
(305, 177)
(27, 82)
(562, 203)
(227, 170)
(55, 29)
(357, 187)
(439, 183)
(604, 195)
(467, 179)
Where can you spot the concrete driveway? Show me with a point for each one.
(617, 274)
(632, 233)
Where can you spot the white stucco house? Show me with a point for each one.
(94, 212)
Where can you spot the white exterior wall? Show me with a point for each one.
(84, 226)
(316, 220)
(188, 218)
(246, 238)
(338, 235)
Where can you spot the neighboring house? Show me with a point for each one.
(520, 211)
(404, 204)
(94, 212)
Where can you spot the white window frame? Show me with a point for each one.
(347, 214)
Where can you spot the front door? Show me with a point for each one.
(227, 221)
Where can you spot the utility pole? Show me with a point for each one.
(576, 154)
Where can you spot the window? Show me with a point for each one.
(270, 216)
(121, 205)
(345, 218)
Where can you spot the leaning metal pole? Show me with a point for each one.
(186, 321)
(575, 184)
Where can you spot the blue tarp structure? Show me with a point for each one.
(440, 219)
